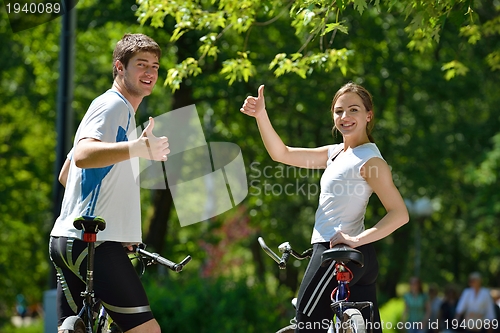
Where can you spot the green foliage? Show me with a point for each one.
(391, 314)
(315, 24)
(493, 60)
(193, 304)
(27, 81)
(471, 32)
(302, 66)
(188, 67)
(454, 68)
(238, 68)
(33, 327)
(28, 91)
(439, 135)
(360, 5)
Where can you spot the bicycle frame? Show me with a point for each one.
(147, 259)
(86, 320)
(340, 295)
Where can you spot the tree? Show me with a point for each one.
(28, 134)
(437, 128)
(315, 23)
(405, 51)
(28, 78)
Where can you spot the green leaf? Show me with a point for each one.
(472, 32)
(308, 16)
(238, 68)
(178, 32)
(454, 68)
(335, 26)
(176, 74)
(278, 58)
(493, 60)
(341, 4)
(492, 27)
(360, 6)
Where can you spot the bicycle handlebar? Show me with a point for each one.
(156, 258)
(269, 252)
(286, 249)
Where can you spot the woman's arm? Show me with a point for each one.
(313, 158)
(378, 175)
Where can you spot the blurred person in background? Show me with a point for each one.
(417, 307)
(475, 306)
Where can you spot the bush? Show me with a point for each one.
(36, 326)
(391, 313)
(223, 305)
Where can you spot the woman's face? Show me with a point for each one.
(350, 115)
(414, 285)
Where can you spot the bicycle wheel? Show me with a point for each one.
(353, 322)
(73, 324)
(287, 329)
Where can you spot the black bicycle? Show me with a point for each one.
(93, 317)
(347, 315)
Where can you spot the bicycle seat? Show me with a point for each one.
(89, 224)
(342, 253)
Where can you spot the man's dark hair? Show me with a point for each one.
(129, 45)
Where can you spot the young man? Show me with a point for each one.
(100, 181)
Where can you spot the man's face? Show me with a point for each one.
(475, 282)
(141, 74)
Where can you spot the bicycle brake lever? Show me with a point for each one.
(178, 267)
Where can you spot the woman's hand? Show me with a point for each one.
(341, 238)
(255, 106)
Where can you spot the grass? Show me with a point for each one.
(35, 326)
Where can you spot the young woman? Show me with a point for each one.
(417, 308)
(353, 170)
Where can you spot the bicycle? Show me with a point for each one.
(85, 321)
(347, 315)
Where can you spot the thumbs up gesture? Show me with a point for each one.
(153, 148)
(255, 106)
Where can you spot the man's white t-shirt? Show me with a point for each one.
(344, 192)
(111, 192)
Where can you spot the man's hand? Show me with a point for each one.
(151, 147)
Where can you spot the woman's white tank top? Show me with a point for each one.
(344, 192)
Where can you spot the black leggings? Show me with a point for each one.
(313, 310)
(116, 282)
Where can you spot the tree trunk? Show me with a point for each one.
(162, 199)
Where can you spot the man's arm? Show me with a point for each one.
(92, 153)
(63, 174)
(461, 305)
